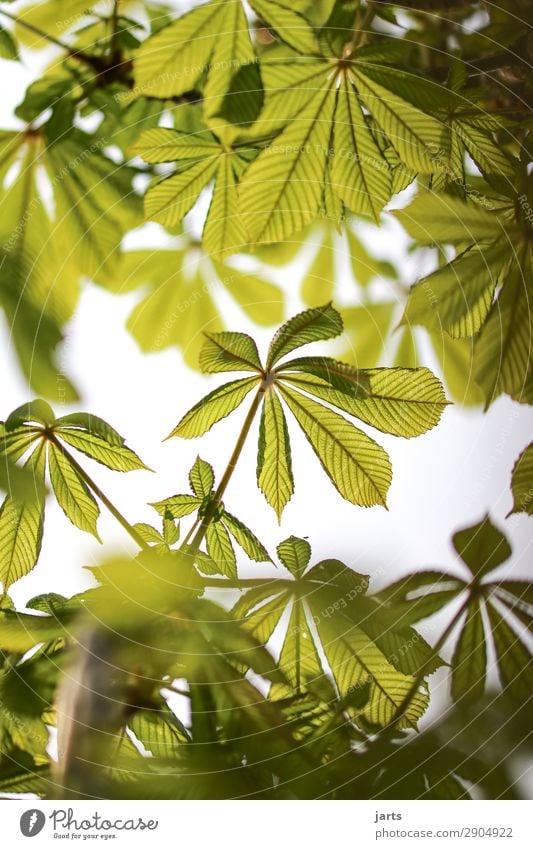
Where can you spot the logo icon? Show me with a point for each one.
(32, 822)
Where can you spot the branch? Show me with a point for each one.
(98, 492)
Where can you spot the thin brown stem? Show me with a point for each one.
(98, 492)
(230, 468)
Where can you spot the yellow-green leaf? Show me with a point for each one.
(72, 493)
(357, 466)
(214, 407)
(21, 527)
(229, 352)
(312, 325)
(274, 467)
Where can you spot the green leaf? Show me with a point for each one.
(360, 175)
(436, 219)
(259, 298)
(224, 232)
(215, 406)
(299, 659)
(515, 664)
(403, 402)
(14, 443)
(34, 411)
(282, 189)
(201, 478)
(174, 60)
(95, 203)
(177, 505)
(469, 662)
(161, 733)
(160, 144)
(169, 200)
(90, 423)
(72, 493)
(457, 298)
(20, 632)
(313, 325)
(229, 352)
(148, 533)
(274, 465)
(244, 99)
(220, 549)
(171, 530)
(482, 547)
(355, 661)
(522, 482)
(367, 330)
(517, 596)
(357, 466)
(8, 47)
(117, 457)
(21, 527)
(415, 135)
(245, 538)
(290, 26)
(295, 554)
(502, 353)
(420, 594)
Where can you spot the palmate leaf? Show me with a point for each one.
(220, 557)
(459, 298)
(274, 464)
(357, 466)
(359, 174)
(403, 402)
(21, 526)
(502, 353)
(329, 595)
(312, 325)
(469, 662)
(119, 458)
(522, 482)
(72, 493)
(282, 189)
(245, 538)
(33, 428)
(220, 549)
(229, 352)
(200, 157)
(44, 256)
(482, 549)
(214, 407)
(399, 401)
(182, 303)
(201, 478)
(38, 290)
(212, 39)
